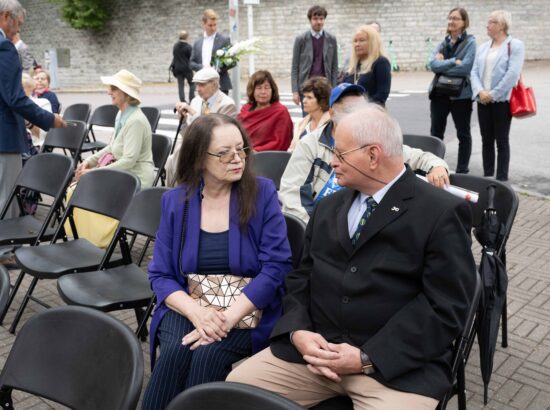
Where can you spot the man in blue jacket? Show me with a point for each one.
(15, 106)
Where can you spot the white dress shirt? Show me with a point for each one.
(207, 46)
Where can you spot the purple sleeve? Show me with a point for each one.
(273, 250)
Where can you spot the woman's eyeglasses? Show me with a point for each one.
(227, 156)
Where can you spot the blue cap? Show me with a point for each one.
(343, 89)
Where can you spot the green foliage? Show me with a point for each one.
(86, 14)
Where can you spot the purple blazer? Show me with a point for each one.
(262, 252)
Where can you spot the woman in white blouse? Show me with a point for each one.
(496, 71)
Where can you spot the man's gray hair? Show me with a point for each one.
(373, 125)
(13, 7)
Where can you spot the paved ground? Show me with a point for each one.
(521, 377)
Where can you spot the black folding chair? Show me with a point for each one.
(425, 143)
(77, 112)
(153, 116)
(78, 357)
(296, 232)
(230, 396)
(69, 138)
(506, 204)
(104, 191)
(126, 286)
(103, 116)
(4, 287)
(271, 164)
(161, 145)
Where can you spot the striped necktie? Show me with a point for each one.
(205, 110)
(371, 207)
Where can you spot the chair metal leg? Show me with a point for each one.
(505, 324)
(23, 306)
(12, 295)
(461, 386)
(141, 331)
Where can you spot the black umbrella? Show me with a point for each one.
(494, 281)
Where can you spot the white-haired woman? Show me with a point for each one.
(368, 65)
(496, 71)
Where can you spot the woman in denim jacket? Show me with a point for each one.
(454, 57)
(496, 71)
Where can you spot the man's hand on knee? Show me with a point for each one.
(312, 344)
(347, 362)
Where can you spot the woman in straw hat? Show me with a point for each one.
(129, 150)
(130, 147)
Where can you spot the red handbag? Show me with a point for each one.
(522, 101)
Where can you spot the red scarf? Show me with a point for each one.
(270, 129)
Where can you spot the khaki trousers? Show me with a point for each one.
(295, 382)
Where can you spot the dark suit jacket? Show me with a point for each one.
(14, 104)
(220, 41)
(181, 55)
(401, 294)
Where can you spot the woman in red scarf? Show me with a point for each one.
(265, 119)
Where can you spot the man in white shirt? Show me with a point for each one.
(205, 47)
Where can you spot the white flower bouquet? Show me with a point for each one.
(229, 56)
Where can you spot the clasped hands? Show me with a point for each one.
(331, 360)
(210, 324)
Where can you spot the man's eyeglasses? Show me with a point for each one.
(340, 155)
(227, 156)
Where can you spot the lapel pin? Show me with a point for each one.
(395, 209)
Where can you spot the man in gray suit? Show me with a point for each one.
(315, 53)
(207, 45)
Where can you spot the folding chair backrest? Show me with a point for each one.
(70, 137)
(296, 232)
(4, 287)
(104, 116)
(153, 116)
(105, 191)
(230, 396)
(143, 213)
(271, 164)
(86, 359)
(425, 143)
(77, 112)
(506, 200)
(161, 146)
(48, 173)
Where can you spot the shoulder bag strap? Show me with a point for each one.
(183, 232)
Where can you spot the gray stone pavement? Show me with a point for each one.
(521, 375)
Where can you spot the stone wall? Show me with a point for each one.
(141, 33)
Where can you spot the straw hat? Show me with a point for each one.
(125, 81)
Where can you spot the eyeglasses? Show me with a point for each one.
(227, 156)
(453, 18)
(340, 155)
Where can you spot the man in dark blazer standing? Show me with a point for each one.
(383, 287)
(15, 106)
(207, 45)
(315, 53)
(181, 67)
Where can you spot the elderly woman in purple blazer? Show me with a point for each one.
(220, 219)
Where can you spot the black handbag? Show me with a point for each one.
(448, 86)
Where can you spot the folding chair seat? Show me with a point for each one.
(103, 191)
(153, 116)
(271, 164)
(48, 174)
(103, 116)
(161, 145)
(78, 357)
(506, 203)
(77, 112)
(425, 143)
(69, 139)
(126, 286)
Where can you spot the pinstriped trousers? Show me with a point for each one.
(178, 368)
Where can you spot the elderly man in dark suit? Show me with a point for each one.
(383, 287)
(315, 53)
(207, 45)
(15, 106)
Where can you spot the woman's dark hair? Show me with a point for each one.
(193, 154)
(463, 15)
(258, 78)
(320, 87)
(316, 11)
